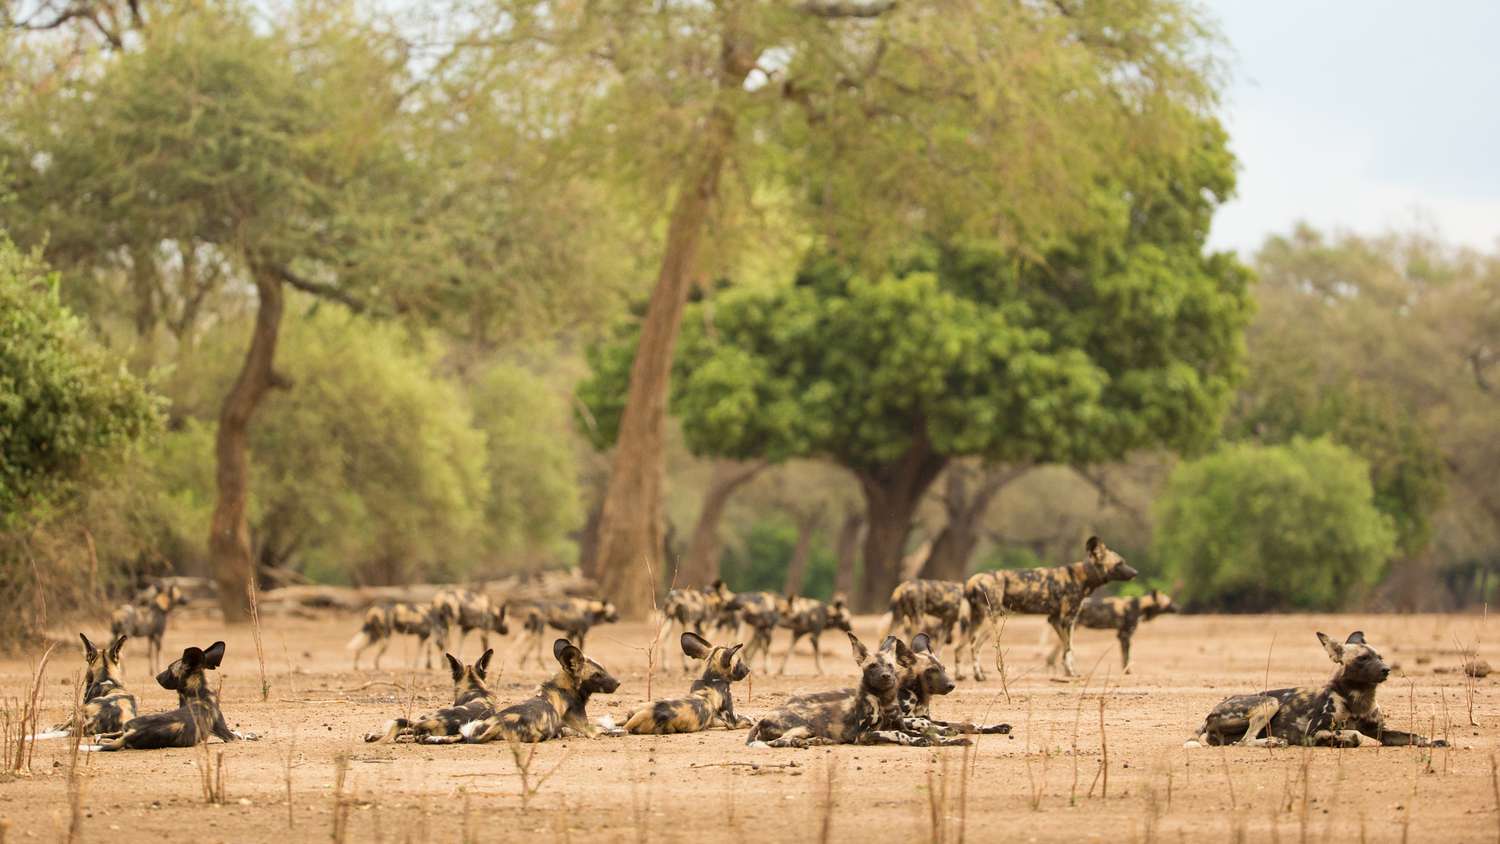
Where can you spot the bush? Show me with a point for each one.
(1255, 528)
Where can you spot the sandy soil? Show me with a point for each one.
(1037, 785)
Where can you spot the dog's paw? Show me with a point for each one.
(1271, 741)
(374, 737)
(1191, 743)
(249, 736)
(995, 729)
(758, 745)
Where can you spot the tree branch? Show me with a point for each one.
(322, 291)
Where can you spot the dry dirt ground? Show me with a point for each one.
(1042, 783)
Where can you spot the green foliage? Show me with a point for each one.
(1253, 528)
(66, 408)
(759, 561)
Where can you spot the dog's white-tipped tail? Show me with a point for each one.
(50, 734)
(468, 730)
(360, 641)
(606, 722)
(1192, 742)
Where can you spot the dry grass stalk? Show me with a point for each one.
(17, 736)
(825, 806)
(1303, 815)
(937, 798)
(1495, 785)
(1228, 778)
(524, 762)
(1465, 655)
(260, 652)
(466, 835)
(341, 801)
(291, 816)
(75, 782)
(1103, 749)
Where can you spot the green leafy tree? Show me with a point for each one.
(1255, 528)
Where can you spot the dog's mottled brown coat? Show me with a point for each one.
(107, 705)
(472, 700)
(146, 618)
(560, 704)
(810, 617)
(709, 701)
(573, 617)
(382, 622)
(1124, 615)
(197, 716)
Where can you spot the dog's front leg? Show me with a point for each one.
(1396, 738)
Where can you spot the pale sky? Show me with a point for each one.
(1363, 115)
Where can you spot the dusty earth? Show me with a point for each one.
(1042, 783)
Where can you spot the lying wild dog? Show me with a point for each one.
(922, 680)
(870, 714)
(196, 717)
(573, 616)
(1123, 615)
(383, 622)
(934, 607)
(760, 611)
(106, 703)
(810, 617)
(472, 700)
(558, 706)
(470, 611)
(1337, 714)
(147, 617)
(1057, 592)
(690, 610)
(709, 701)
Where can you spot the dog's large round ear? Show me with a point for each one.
(90, 653)
(482, 665)
(1094, 546)
(1334, 649)
(116, 647)
(455, 667)
(861, 653)
(192, 657)
(214, 655)
(1356, 638)
(734, 650)
(568, 655)
(904, 654)
(502, 612)
(695, 646)
(921, 643)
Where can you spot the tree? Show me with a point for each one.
(966, 497)
(1256, 528)
(868, 119)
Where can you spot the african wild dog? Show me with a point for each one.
(1057, 592)
(1337, 714)
(920, 681)
(690, 610)
(870, 714)
(810, 617)
(106, 704)
(709, 701)
(761, 611)
(147, 617)
(383, 622)
(558, 705)
(472, 700)
(573, 616)
(196, 717)
(470, 611)
(1123, 615)
(934, 607)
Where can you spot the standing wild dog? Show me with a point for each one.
(147, 617)
(934, 607)
(106, 703)
(573, 616)
(558, 706)
(196, 717)
(691, 609)
(1123, 615)
(709, 701)
(471, 611)
(761, 611)
(1057, 593)
(1336, 714)
(870, 714)
(810, 617)
(923, 679)
(472, 700)
(383, 622)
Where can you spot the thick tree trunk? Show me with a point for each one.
(892, 495)
(700, 565)
(966, 499)
(588, 541)
(796, 569)
(630, 526)
(229, 532)
(848, 554)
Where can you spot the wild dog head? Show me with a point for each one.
(497, 620)
(1112, 564)
(719, 663)
(588, 676)
(1358, 663)
(1158, 602)
(102, 664)
(163, 597)
(882, 670)
(927, 672)
(839, 615)
(468, 680)
(602, 611)
(185, 674)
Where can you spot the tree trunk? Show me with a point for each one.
(229, 532)
(848, 554)
(700, 566)
(796, 569)
(588, 542)
(966, 506)
(630, 525)
(892, 495)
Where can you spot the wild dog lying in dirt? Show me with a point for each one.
(196, 717)
(709, 702)
(106, 704)
(573, 616)
(810, 617)
(1123, 615)
(761, 612)
(934, 607)
(922, 680)
(558, 708)
(691, 610)
(1340, 713)
(383, 622)
(870, 714)
(147, 617)
(470, 611)
(1057, 592)
(472, 700)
